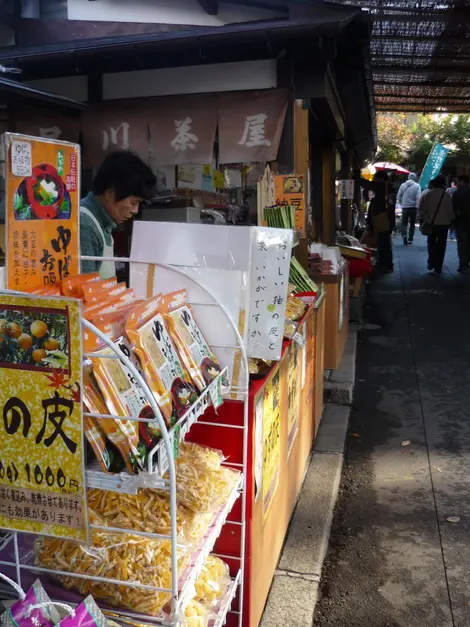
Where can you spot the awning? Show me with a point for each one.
(14, 92)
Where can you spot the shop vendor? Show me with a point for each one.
(121, 184)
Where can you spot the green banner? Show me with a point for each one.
(433, 164)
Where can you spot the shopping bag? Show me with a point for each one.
(380, 222)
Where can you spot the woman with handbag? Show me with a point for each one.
(436, 216)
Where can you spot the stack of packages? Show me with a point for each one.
(203, 486)
(163, 341)
(325, 259)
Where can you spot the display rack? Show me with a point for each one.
(161, 474)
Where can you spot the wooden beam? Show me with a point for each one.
(421, 97)
(421, 71)
(211, 7)
(431, 84)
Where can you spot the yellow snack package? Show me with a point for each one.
(195, 615)
(124, 557)
(198, 455)
(165, 374)
(213, 581)
(199, 360)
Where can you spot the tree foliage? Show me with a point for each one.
(408, 142)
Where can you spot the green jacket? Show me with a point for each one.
(91, 242)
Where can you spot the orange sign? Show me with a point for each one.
(289, 190)
(42, 211)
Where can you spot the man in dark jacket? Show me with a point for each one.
(381, 217)
(461, 203)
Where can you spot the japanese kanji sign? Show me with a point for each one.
(289, 190)
(293, 394)
(346, 189)
(42, 123)
(42, 211)
(42, 481)
(250, 126)
(271, 254)
(113, 127)
(182, 132)
(433, 164)
(271, 439)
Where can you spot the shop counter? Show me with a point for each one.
(336, 314)
(281, 431)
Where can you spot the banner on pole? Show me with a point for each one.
(433, 164)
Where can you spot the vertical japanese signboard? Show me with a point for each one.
(293, 389)
(433, 164)
(289, 190)
(42, 480)
(42, 211)
(271, 439)
(271, 254)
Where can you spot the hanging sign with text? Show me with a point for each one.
(433, 164)
(271, 254)
(346, 189)
(42, 476)
(42, 211)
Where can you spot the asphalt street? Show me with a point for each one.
(400, 545)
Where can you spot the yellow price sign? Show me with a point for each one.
(42, 470)
(219, 179)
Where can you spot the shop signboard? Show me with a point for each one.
(270, 264)
(271, 439)
(346, 189)
(309, 353)
(42, 211)
(49, 125)
(250, 125)
(289, 190)
(42, 471)
(293, 389)
(110, 127)
(433, 164)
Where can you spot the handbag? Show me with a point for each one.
(380, 222)
(426, 227)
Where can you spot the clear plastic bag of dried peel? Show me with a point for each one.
(213, 582)
(148, 511)
(200, 455)
(196, 615)
(124, 557)
(203, 490)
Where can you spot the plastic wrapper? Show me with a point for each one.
(72, 286)
(149, 511)
(290, 329)
(197, 357)
(203, 490)
(87, 614)
(202, 456)
(120, 432)
(124, 396)
(213, 582)
(109, 458)
(165, 374)
(124, 557)
(295, 308)
(17, 614)
(93, 287)
(195, 615)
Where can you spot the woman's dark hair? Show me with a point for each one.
(381, 176)
(438, 182)
(127, 175)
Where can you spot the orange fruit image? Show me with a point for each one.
(39, 328)
(3, 326)
(51, 344)
(39, 354)
(25, 341)
(13, 329)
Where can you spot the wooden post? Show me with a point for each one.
(301, 165)
(329, 201)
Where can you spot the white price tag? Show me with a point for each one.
(21, 160)
(299, 339)
(163, 460)
(184, 430)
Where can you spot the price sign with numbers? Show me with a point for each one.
(42, 472)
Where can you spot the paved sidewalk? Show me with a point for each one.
(395, 560)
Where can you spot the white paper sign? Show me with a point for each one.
(346, 189)
(21, 159)
(271, 254)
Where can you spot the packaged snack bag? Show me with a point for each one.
(124, 396)
(165, 374)
(87, 614)
(193, 349)
(50, 290)
(17, 615)
(122, 300)
(109, 458)
(200, 456)
(92, 287)
(213, 582)
(121, 433)
(195, 615)
(72, 286)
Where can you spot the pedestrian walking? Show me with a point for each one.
(450, 190)
(461, 203)
(436, 216)
(408, 197)
(381, 217)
